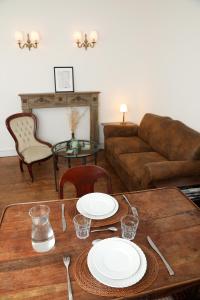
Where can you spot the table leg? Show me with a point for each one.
(95, 158)
(55, 167)
(84, 160)
(69, 162)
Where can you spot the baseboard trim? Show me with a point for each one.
(8, 152)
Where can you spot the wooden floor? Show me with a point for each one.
(17, 187)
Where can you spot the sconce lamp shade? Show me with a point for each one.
(93, 36)
(77, 36)
(123, 108)
(18, 36)
(34, 36)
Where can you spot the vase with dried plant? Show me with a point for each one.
(75, 118)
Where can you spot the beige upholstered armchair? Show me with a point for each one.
(22, 127)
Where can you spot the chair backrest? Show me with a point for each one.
(22, 127)
(84, 178)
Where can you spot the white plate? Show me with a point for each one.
(113, 282)
(115, 259)
(97, 206)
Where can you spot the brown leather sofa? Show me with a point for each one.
(159, 149)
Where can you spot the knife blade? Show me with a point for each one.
(64, 224)
(155, 248)
(133, 209)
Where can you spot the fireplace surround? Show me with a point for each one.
(71, 99)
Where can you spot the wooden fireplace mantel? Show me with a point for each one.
(70, 99)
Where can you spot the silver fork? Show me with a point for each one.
(66, 260)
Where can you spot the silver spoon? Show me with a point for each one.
(112, 228)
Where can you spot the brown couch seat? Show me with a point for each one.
(119, 145)
(134, 164)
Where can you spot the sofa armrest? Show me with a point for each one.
(158, 171)
(120, 130)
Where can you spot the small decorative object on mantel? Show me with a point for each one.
(64, 79)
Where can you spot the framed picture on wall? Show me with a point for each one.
(64, 79)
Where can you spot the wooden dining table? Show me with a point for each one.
(166, 215)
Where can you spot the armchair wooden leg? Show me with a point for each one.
(21, 165)
(30, 171)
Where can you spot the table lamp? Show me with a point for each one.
(123, 109)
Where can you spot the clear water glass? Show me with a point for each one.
(82, 226)
(42, 235)
(129, 225)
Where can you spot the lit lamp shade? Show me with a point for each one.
(123, 108)
(77, 36)
(93, 36)
(34, 36)
(18, 36)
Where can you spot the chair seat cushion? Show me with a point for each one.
(34, 153)
(119, 145)
(134, 164)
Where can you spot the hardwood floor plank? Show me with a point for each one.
(17, 187)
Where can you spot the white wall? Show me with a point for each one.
(148, 56)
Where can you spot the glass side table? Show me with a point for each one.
(73, 149)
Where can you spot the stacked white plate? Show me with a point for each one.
(117, 262)
(97, 206)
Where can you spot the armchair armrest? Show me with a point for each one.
(120, 130)
(164, 170)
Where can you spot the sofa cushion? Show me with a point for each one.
(134, 164)
(120, 130)
(118, 145)
(171, 138)
(154, 130)
(184, 142)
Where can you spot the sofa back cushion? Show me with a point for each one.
(171, 138)
(184, 142)
(154, 130)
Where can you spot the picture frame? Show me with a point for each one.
(64, 79)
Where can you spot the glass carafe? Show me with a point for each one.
(43, 238)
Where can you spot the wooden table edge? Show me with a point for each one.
(74, 198)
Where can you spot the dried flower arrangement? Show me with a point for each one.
(75, 117)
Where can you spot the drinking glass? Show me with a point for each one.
(129, 224)
(43, 238)
(82, 226)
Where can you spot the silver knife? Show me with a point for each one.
(129, 204)
(171, 272)
(64, 225)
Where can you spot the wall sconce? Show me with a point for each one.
(85, 42)
(123, 109)
(31, 41)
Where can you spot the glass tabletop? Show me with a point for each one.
(75, 148)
